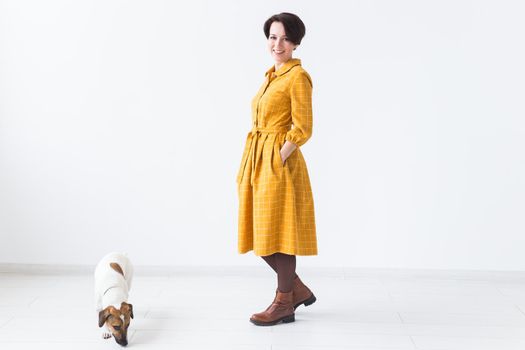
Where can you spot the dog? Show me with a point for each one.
(113, 277)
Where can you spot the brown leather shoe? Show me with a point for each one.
(302, 294)
(281, 310)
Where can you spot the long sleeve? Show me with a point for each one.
(301, 100)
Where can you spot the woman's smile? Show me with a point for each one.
(279, 45)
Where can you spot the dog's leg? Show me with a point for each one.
(106, 335)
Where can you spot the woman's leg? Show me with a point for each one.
(282, 307)
(288, 280)
(285, 266)
(270, 260)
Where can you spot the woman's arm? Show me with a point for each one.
(301, 99)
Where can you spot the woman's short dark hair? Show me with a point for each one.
(293, 26)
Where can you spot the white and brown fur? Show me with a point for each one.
(113, 277)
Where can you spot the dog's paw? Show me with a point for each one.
(106, 335)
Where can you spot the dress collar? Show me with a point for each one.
(292, 62)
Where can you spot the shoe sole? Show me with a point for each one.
(286, 319)
(307, 302)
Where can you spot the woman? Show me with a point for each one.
(276, 209)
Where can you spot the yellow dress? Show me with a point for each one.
(276, 207)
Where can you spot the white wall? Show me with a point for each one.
(122, 126)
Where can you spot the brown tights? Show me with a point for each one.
(284, 265)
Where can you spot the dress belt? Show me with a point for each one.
(276, 130)
(255, 133)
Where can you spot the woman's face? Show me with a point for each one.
(280, 46)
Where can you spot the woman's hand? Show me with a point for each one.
(286, 150)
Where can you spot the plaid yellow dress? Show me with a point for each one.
(276, 207)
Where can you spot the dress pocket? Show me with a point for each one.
(277, 162)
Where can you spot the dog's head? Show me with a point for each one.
(117, 321)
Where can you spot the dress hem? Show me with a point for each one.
(283, 251)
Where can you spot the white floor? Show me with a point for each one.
(366, 309)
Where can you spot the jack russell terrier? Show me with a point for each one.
(113, 276)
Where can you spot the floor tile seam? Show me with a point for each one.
(46, 341)
(413, 342)
(2, 325)
(465, 325)
(487, 313)
(295, 332)
(495, 296)
(264, 330)
(353, 347)
(375, 334)
(406, 331)
(468, 336)
(444, 297)
(520, 309)
(200, 344)
(226, 319)
(404, 327)
(146, 314)
(359, 333)
(466, 315)
(503, 295)
(370, 347)
(33, 301)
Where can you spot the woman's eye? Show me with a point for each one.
(117, 328)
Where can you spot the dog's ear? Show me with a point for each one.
(103, 316)
(117, 268)
(125, 307)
